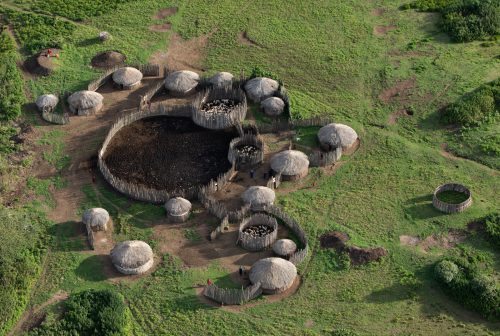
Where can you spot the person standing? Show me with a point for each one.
(241, 271)
(252, 173)
(274, 182)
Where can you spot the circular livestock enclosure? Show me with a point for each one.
(246, 150)
(219, 107)
(451, 198)
(257, 232)
(155, 155)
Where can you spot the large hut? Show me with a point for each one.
(96, 219)
(132, 257)
(284, 247)
(47, 102)
(178, 209)
(273, 106)
(127, 77)
(275, 275)
(85, 103)
(182, 82)
(221, 79)
(260, 88)
(258, 197)
(291, 164)
(334, 135)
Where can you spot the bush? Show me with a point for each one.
(91, 312)
(492, 227)
(76, 9)
(465, 20)
(446, 271)
(11, 82)
(479, 106)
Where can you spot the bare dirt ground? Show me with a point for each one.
(383, 30)
(161, 28)
(164, 13)
(447, 241)
(399, 92)
(402, 113)
(378, 12)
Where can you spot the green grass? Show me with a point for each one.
(452, 197)
(192, 235)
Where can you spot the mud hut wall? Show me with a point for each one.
(271, 184)
(55, 118)
(231, 296)
(449, 207)
(90, 236)
(250, 140)
(322, 159)
(257, 243)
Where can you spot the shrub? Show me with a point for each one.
(11, 82)
(492, 227)
(446, 271)
(91, 312)
(479, 106)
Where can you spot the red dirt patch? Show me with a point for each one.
(383, 30)
(447, 241)
(165, 12)
(41, 65)
(161, 28)
(245, 40)
(378, 12)
(401, 90)
(335, 239)
(358, 256)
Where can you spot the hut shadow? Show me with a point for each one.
(71, 236)
(88, 42)
(421, 208)
(394, 293)
(92, 268)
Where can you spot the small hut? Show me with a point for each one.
(178, 209)
(84, 103)
(96, 219)
(182, 82)
(258, 197)
(273, 106)
(334, 135)
(104, 36)
(47, 102)
(221, 79)
(275, 275)
(127, 77)
(132, 257)
(284, 247)
(260, 88)
(291, 164)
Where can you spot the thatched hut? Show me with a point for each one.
(178, 209)
(334, 135)
(104, 36)
(260, 88)
(275, 275)
(291, 164)
(273, 106)
(47, 102)
(182, 82)
(96, 219)
(132, 257)
(221, 79)
(85, 103)
(127, 77)
(284, 247)
(258, 197)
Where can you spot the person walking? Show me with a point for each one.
(241, 271)
(274, 182)
(209, 282)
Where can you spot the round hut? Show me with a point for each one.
(47, 102)
(84, 103)
(132, 257)
(275, 275)
(178, 209)
(273, 106)
(108, 59)
(182, 82)
(258, 197)
(127, 77)
(334, 135)
(284, 247)
(104, 36)
(260, 88)
(96, 218)
(221, 79)
(291, 164)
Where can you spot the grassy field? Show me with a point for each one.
(332, 63)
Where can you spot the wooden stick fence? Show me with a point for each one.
(236, 157)
(55, 118)
(230, 296)
(450, 207)
(319, 158)
(147, 70)
(251, 243)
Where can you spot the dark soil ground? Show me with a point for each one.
(108, 59)
(359, 256)
(40, 64)
(168, 153)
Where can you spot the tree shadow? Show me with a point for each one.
(91, 269)
(69, 236)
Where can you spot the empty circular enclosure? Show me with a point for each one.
(257, 232)
(451, 198)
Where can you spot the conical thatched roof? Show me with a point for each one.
(127, 76)
(132, 257)
(182, 81)
(83, 100)
(259, 88)
(290, 162)
(274, 274)
(221, 79)
(178, 206)
(273, 106)
(258, 196)
(337, 134)
(47, 101)
(96, 218)
(284, 247)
